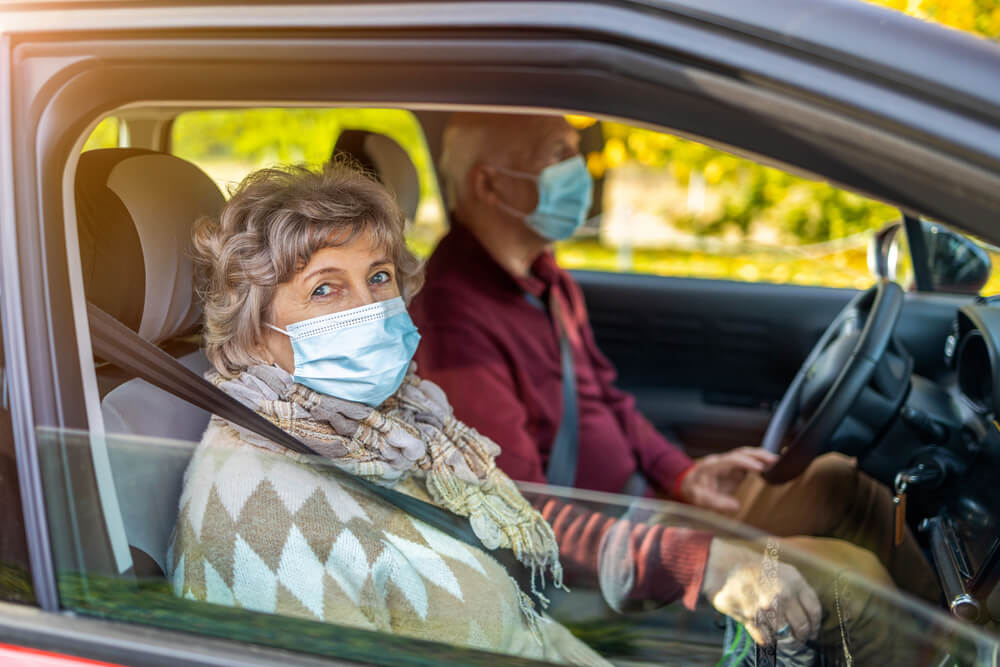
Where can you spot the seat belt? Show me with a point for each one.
(561, 470)
(116, 343)
(565, 452)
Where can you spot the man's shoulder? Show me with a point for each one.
(455, 293)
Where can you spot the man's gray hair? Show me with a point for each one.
(269, 230)
(462, 146)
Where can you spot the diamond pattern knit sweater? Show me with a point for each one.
(268, 532)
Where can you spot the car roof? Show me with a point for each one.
(938, 61)
(930, 57)
(918, 86)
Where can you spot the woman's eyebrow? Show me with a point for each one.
(380, 262)
(318, 272)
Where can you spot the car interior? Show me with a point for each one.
(864, 321)
(724, 354)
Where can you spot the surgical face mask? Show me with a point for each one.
(565, 192)
(359, 355)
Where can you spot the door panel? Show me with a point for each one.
(707, 360)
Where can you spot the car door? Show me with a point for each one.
(708, 359)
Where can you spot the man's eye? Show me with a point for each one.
(380, 278)
(323, 290)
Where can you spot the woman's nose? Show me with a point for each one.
(363, 296)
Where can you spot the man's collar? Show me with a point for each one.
(544, 270)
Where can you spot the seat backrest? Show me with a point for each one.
(389, 161)
(135, 212)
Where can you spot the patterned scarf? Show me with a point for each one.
(412, 432)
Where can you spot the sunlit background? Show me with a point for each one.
(669, 207)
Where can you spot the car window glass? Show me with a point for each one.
(398, 590)
(669, 206)
(229, 144)
(15, 578)
(107, 134)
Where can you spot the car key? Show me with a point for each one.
(899, 502)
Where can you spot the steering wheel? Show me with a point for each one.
(856, 371)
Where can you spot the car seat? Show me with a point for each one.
(387, 161)
(135, 211)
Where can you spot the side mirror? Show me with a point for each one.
(883, 251)
(955, 263)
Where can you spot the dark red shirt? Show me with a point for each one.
(497, 358)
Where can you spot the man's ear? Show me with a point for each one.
(481, 179)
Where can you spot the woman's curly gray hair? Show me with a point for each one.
(268, 230)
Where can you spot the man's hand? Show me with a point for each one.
(765, 596)
(713, 479)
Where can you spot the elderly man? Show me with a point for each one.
(496, 309)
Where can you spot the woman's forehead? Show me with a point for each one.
(359, 250)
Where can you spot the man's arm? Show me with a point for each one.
(663, 463)
(476, 376)
(646, 561)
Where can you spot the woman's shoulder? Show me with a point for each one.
(247, 476)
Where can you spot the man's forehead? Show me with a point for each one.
(519, 137)
(554, 129)
(539, 136)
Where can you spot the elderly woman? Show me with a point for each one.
(305, 279)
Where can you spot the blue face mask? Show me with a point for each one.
(565, 192)
(359, 355)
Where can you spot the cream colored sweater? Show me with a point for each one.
(267, 532)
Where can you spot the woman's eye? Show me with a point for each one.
(323, 290)
(380, 278)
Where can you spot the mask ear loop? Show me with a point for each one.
(510, 210)
(516, 173)
(504, 206)
(279, 330)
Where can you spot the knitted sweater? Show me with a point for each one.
(267, 532)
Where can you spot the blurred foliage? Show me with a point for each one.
(749, 193)
(745, 201)
(248, 139)
(15, 583)
(976, 16)
(847, 268)
(151, 602)
(105, 135)
(664, 636)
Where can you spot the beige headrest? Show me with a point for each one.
(135, 212)
(390, 163)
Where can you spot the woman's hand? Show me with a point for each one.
(712, 480)
(760, 592)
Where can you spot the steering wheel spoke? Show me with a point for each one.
(849, 379)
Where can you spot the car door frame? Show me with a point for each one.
(666, 70)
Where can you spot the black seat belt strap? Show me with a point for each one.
(116, 343)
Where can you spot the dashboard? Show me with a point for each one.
(965, 534)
